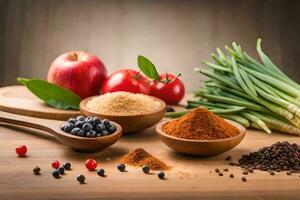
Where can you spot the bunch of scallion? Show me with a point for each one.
(252, 93)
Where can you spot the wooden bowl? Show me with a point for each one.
(201, 147)
(130, 123)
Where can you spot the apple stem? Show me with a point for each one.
(75, 56)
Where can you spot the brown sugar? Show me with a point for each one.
(139, 157)
(200, 124)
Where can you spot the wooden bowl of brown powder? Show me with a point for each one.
(134, 112)
(201, 133)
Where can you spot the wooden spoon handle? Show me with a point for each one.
(31, 122)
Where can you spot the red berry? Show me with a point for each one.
(55, 164)
(91, 164)
(21, 150)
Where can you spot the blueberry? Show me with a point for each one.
(112, 128)
(68, 127)
(81, 133)
(61, 170)
(106, 122)
(87, 127)
(121, 167)
(100, 172)
(96, 120)
(100, 127)
(75, 131)
(81, 178)
(55, 173)
(72, 120)
(89, 120)
(80, 118)
(91, 134)
(98, 135)
(79, 124)
(105, 133)
(67, 165)
(146, 169)
(161, 175)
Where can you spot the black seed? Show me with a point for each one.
(220, 174)
(245, 172)
(277, 157)
(217, 170)
(231, 175)
(250, 170)
(146, 169)
(121, 167)
(100, 172)
(161, 175)
(244, 179)
(67, 165)
(55, 173)
(225, 170)
(36, 170)
(272, 173)
(231, 163)
(61, 170)
(170, 109)
(81, 178)
(228, 158)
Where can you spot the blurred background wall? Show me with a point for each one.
(175, 35)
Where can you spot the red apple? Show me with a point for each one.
(79, 71)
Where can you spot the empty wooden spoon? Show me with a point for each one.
(201, 147)
(53, 127)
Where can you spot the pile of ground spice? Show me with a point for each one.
(123, 103)
(139, 157)
(200, 124)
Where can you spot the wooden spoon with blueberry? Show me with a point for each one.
(86, 134)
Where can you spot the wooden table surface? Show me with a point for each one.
(191, 177)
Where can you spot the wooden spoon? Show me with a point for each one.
(53, 127)
(201, 147)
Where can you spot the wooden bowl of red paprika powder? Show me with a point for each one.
(201, 133)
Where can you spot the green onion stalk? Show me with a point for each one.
(253, 93)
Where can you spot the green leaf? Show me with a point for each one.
(52, 94)
(147, 67)
(23, 80)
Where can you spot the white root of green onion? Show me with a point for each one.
(252, 93)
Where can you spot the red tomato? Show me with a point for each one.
(169, 88)
(126, 80)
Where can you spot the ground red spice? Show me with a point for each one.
(139, 157)
(200, 124)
